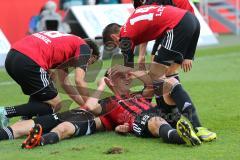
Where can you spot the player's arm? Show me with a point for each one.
(68, 87)
(143, 76)
(142, 55)
(123, 129)
(81, 84)
(92, 102)
(186, 65)
(84, 54)
(127, 49)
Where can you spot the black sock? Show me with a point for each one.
(170, 135)
(6, 133)
(30, 109)
(49, 138)
(185, 105)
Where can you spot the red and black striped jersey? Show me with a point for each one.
(122, 110)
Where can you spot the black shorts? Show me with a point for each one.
(180, 42)
(140, 125)
(33, 79)
(80, 119)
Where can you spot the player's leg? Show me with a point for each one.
(30, 109)
(16, 130)
(185, 107)
(150, 123)
(173, 71)
(169, 54)
(22, 128)
(158, 127)
(72, 129)
(62, 131)
(74, 123)
(34, 82)
(175, 94)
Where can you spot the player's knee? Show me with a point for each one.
(64, 130)
(169, 84)
(55, 103)
(154, 124)
(157, 71)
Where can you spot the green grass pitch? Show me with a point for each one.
(214, 85)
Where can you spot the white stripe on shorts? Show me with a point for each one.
(43, 77)
(169, 41)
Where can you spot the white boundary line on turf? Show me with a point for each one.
(7, 83)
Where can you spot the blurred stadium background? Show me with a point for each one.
(213, 83)
(86, 18)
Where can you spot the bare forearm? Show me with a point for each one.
(83, 90)
(142, 52)
(92, 102)
(72, 92)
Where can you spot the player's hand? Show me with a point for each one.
(119, 69)
(142, 76)
(141, 63)
(122, 129)
(186, 65)
(101, 82)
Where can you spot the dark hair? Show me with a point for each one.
(106, 73)
(112, 28)
(138, 3)
(91, 43)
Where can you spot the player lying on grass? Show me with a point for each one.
(169, 91)
(29, 63)
(131, 110)
(123, 108)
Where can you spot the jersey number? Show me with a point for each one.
(55, 34)
(148, 17)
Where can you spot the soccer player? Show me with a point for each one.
(172, 95)
(29, 63)
(123, 109)
(183, 4)
(150, 22)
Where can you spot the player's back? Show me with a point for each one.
(50, 48)
(150, 22)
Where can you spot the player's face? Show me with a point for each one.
(122, 83)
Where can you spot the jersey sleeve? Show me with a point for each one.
(107, 104)
(83, 54)
(127, 49)
(106, 123)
